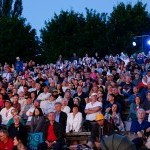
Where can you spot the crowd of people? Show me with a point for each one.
(74, 95)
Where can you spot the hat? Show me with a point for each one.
(79, 99)
(94, 94)
(99, 117)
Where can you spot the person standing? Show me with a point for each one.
(18, 65)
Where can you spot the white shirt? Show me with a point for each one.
(47, 106)
(91, 117)
(7, 76)
(6, 115)
(66, 109)
(22, 102)
(74, 123)
(28, 113)
(44, 96)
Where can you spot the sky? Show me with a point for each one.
(38, 11)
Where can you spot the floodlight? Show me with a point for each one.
(134, 43)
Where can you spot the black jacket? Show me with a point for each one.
(108, 129)
(63, 120)
(20, 131)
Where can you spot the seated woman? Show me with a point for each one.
(64, 106)
(134, 106)
(114, 117)
(37, 120)
(18, 145)
(14, 112)
(74, 120)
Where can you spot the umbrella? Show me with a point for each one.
(117, 142)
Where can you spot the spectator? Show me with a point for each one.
(60, 116)
(1, 102)
(37, 120)
(18, 65)
(6, 112)
(134, 106)
(91, 109)
(102, 128)
(140, 127)
(18, 145)
(64, 106)
(45, 94)
(5, 141)
(17, 129)
(14, 112)
(30, 111)
(114, 118)
(74, 120)
(53, 134)
(48, 105)
(16, 104)
(26, 108)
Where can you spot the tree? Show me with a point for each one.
(71, 32)
(16, 37)
(124, 22)
(7, 9)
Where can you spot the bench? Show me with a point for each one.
(80, 137)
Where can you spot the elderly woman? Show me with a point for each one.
(74, 120)
(64, 106)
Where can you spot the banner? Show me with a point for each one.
(34, 139)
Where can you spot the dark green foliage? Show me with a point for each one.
(16, 37)
(10, 8)
(71, 32)
(125, 22)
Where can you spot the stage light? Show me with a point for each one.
(148, 42)
(134, 43)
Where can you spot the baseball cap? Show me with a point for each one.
(99, 117)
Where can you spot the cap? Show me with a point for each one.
(99, 117)
(78, 98)
(94, 94)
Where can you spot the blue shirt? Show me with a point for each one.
(57, 117)
(136, 126)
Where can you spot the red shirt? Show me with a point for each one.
(51, 135)
(6, 146)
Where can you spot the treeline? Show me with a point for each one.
(71, 32)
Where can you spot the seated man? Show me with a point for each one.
(53, 134)
(5, 141)
(6, 112)
(102, 128)
(17, 129)
(141, 127)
